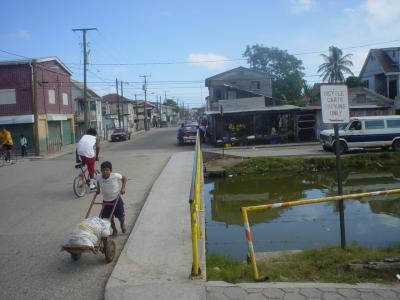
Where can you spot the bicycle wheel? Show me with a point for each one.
(79, 186)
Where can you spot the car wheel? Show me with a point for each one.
(396, 145)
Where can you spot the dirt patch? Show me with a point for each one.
(216, 167)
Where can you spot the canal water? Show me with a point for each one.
(374, 223)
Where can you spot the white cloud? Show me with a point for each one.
(301, 6)
(382, 11)
(379, 20)
(208, 60)
(20, 34)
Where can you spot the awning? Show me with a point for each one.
(22, 119)
(277, 108)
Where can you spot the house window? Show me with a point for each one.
(366, 83)
(7, 96)
(65, 98)
(255, 85)
(52, 97)
(375, 124)
(372, 58)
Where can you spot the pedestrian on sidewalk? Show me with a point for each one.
(24, 143)
(87, 151)
(7, 143)
(112, 185)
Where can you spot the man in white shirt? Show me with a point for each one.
(87, 151)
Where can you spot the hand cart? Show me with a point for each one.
(105, 245)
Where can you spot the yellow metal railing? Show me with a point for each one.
(247, 209)
(196, 206)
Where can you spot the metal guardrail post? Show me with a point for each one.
(249, 239)
(196, 206)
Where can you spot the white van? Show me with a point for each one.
(364, 132)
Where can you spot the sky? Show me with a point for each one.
(179, 44)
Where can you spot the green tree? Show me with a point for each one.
(353, 81)
(335, 65)
(307, 90)
(285, 69)
(172, 103)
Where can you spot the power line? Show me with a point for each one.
(234, 59)
(4, 51)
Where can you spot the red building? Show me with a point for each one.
(35, 100)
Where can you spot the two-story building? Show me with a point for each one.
(95, 114)
(35, 100)
(381, 73)
(240, 106)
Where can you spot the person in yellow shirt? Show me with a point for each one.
(7, 143)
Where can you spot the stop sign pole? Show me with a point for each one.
(335, 110)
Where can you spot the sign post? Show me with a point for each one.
(335, 110)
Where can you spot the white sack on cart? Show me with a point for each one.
(89, 232)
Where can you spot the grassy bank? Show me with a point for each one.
(329, 264)
(263, 165)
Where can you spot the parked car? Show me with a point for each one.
(163, 124)
(365, 132)
(120, 134)
(187, 134)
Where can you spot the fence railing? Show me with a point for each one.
(196, 208)
(247, 209)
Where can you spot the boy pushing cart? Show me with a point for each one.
(93, 233)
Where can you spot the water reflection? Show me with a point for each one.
(374, 223)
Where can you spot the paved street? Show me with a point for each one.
(39, 209)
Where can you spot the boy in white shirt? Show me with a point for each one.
(111, 186)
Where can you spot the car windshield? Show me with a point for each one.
(118, 130)
(343, 126)
(190, 129)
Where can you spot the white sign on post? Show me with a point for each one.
(335, 104)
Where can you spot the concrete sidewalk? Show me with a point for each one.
(156, 261)
(157, 258)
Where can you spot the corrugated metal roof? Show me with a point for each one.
(39, 60)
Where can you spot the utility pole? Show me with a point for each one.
(180, 110)
(85, 102)
(123, 110)
(184, 111)
(145, 100)
(119, 114)
(159, 111)
(137, 114)
(35, 107)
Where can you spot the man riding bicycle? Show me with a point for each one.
(87, 152)
(7, 143)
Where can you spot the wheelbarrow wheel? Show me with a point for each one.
(79, 186)
(109, 250)
(76, 256)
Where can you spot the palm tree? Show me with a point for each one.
(335, 65)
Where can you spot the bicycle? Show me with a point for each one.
(4, 156)
(82, 180)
